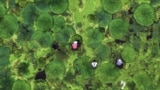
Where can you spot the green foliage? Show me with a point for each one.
(59, 23)
(118, 28)
(128, 54)
(40, 85)
(101, 17)
(44, 39)
(142, 80)
(55, 70)
(59, 6)
(102, 52)
(23, 68)
(29, 13)
(8, 26)
(4, 56)
(3, 10)
(64, 35)
(44, 22)
(111, 6)
(6, 80)
(106, 72)
(83, 67)
(144, 15)
(25, 33)
(21, 85)
(93, 36)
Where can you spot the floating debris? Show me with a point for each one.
(94, 64)
(119, 63)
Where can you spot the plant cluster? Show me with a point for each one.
(79, 45)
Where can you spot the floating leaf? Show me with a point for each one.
(94, 36)
(101, 17)
(4, 55)
(21, 85)
(40, 85)
(25, 33)
(64, 35)
(3, 10)
(128, 54)
(59, 6)
(8, 26)
(106, 72)
(44, 39)
(44, 22)
(142, 79)
(102, 52)
(55, 69)
(111, 6)
(144, 15)
(29, 13)
(118, 28)
(83, 67)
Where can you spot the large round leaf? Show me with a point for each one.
(8, 26)
(128, 54)
(64, 35)
(44, 22)
(55, 69)
(94, 37)
(142, 79)
(106, 72)
(112, 6)
(118, 28)
(3, 10)
(59, 6)
(102, 52)
(21, 85)
(83, 67)
(4, 55)
(44, 39)
(144, 15)
(29, 13)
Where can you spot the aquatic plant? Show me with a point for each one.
(21, 84)
(8, 26)
(44, 22)
(59, 6)
(111, 6)
(144, 14)
(55, 70)
(44, 39)
(118, 28)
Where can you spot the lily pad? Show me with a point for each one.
(25, 33)
(128, 54)
(3, 10)
(142, 80)
(8, 26)
(83, 67)
(44, 39)
(94, 36)
(111, 6)
(106, 72)
(29, 13)
(144, 15)
(55, 70)
(65, 34)
(4, 55)
(101, 17)
(59, 6)
(118, 28)
(44, 22)
(21, 85)
(102, 52)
